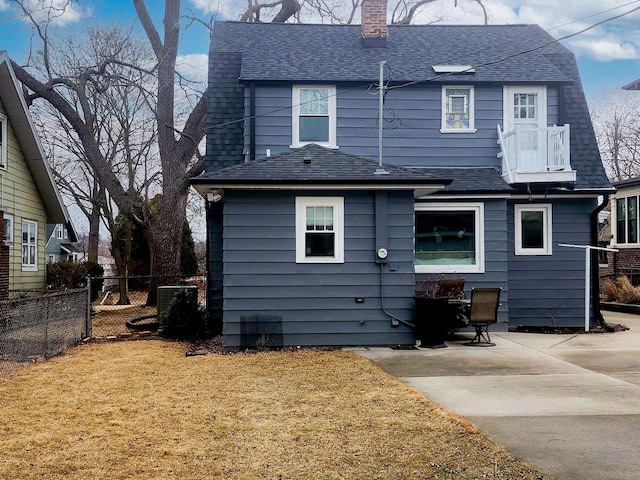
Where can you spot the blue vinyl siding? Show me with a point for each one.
(495, 254)
(548, 290)
(266, 293)
(412, 125)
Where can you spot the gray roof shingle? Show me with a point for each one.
(308, 52)
(313, 164)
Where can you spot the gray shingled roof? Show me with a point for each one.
(470, 179)
(313, 164)
(307, 52)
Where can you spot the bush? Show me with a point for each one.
(620, 290)
(69, 275)
(66, 275)
(184, 319)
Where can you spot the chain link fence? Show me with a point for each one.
(119, 304)
(35, 328)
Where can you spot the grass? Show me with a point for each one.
(145, 410)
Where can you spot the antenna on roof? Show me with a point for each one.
(380, 170)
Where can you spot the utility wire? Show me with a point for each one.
(369, 85)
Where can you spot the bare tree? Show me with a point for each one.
(74, 89)
(616, 120)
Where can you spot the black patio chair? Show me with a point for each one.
(483, 312)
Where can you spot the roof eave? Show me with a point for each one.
(29, 142)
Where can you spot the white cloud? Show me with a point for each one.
(604, 50)
(4, 5)
(193, 66)
(58, 12)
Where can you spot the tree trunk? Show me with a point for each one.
(165, 240)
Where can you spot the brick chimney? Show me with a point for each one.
(374, 23)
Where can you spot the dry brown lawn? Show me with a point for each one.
(145, 410)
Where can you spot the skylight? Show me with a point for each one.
(444, 68)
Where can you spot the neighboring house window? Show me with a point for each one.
(458, 110)
(8, 228)
(51, 258)
(314, 115)
(533, 232)
(449, 238)
(626, 223)
(3, 141)
(319, 230)
(59, 232)
(29, 246)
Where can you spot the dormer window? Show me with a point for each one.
(313, 115)
(457, 110)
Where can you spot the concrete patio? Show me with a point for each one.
(568, 404)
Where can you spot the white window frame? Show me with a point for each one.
(478, 209)
(4, 142)
(470, 103)
(10, 231)
(51, 258)
(338, 228)
(295, 115)
(547, 221)
(30, 267)
(59, 229)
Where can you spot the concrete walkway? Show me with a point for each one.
(567, 404)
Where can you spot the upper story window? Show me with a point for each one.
(625, 226)
(313, 115)
(29, 246)
(533, 229)
(59, 229)
(458, 111)
(319, 230)
(8, 228)
(3, 141)
(449, 238)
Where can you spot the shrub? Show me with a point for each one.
(620, 290)
(66, 275)
(184, 319)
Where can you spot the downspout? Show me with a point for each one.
(595, 267)
(252, 122)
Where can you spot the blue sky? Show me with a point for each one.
(608, 56)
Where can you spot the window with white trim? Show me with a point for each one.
(59, 229)
(449, 238)
(458, 110)
(533, 229)
(3, 141)
(8, 227)
(313, 115)
(29, 246)
(51, 258)
(319, 230)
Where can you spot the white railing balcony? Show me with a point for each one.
(532, 154)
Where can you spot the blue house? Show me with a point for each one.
(320, 222)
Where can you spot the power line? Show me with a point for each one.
(444, 75)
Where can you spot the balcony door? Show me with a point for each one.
(525, 108)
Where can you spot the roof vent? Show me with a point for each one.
(381, 171)
(307, 160)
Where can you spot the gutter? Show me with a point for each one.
(595, 267)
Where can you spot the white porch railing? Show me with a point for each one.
(533, 154)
